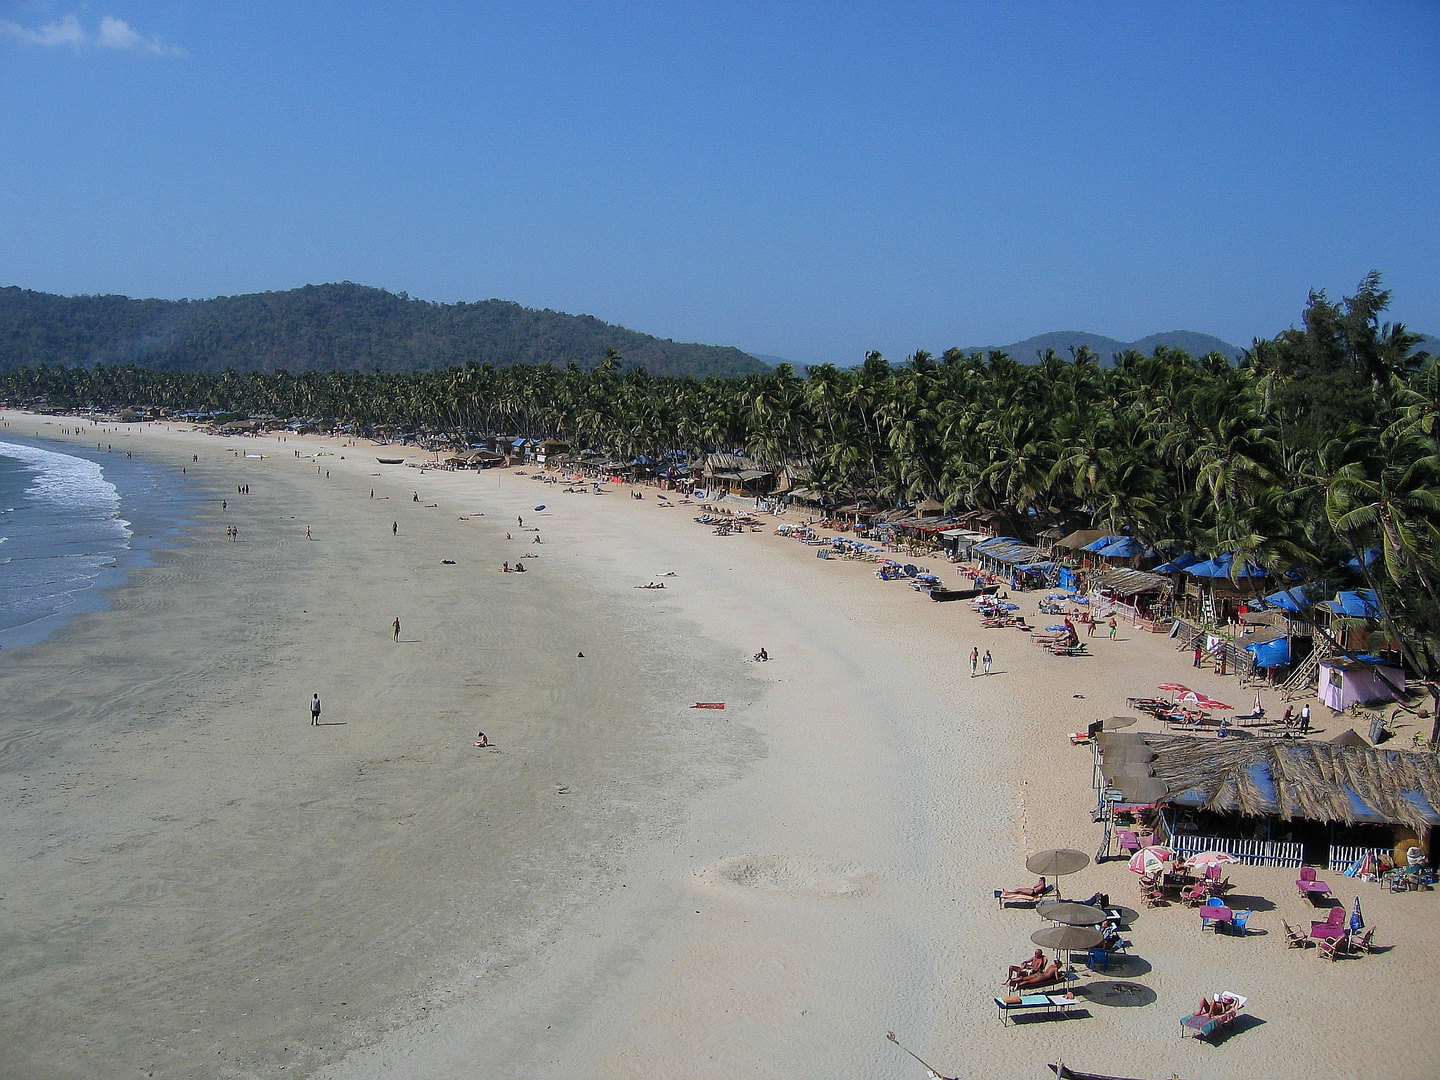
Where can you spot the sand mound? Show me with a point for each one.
(794, 875)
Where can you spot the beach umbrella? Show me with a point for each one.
(1053, 862)
(1143, 791)
(1210, 858)
(1357, 921)
(1211, 703)
(1069, 913)
(1115, 723)
(1175, 687)
(1067, 937)
(1150, 860)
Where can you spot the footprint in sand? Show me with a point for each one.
(793, 875)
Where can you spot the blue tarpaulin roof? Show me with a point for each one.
(1274, 653)
(1178, 563)
(1359, 604)
(1222, 566)
(1365, 560)
(1125, 548)
(1296, 597)
(1104, 541)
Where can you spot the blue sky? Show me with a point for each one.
(808, 180)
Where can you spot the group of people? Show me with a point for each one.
(1289, 718)
(976, 661)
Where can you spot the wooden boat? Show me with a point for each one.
(391, 460)
(1065, 1072)
(963, 594)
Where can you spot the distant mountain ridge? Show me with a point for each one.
(338, 326)
(1191, 341)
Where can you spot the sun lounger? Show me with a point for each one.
(1021, 1003)
(1199, 1025)
(1021, 897)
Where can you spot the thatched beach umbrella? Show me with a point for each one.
(1056, 862)
(1115, 723)
(1067, 938)
(1069, 913)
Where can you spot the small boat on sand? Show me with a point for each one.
(391, 460)
(1065, 1072)
(963, 594)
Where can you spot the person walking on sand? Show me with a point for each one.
(394, 528)
(307, 533)
(1305, 719)
(1199, 654)
(974, 660)
(315, 710)
(1089, 625)
(395, 626)
(1114, 626)
(986, 661)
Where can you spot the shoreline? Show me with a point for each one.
(833, 879)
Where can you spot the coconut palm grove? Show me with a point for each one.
(1320, 446)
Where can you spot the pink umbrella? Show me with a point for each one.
(1208, 703)
(1150, 860)
(1190, 697)
(1174, 687)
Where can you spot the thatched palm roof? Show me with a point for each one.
(1316, 781)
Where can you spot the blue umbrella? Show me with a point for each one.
(1357, 921)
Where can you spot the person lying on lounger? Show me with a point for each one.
(1029, 967)
(1033, 893)
(1048, 974)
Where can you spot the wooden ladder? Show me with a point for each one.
(1302, 678)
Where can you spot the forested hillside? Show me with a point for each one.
(337, 327)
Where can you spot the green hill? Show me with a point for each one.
(340, 326)
(1194, 343)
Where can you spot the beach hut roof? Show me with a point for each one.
(1315, 781)
(1101, 542)
(1223, 566)
(1362, 603)
(1078, 539)
(1272, 653)
(1124, 582)
(1127, 547)
(1296, 598)
(1178, 563)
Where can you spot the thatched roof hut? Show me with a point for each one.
(1315, 781)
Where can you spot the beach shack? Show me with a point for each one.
(1362, 680)
(1280, 802)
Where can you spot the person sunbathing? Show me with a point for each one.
(1035, 964)
(1034, 893)
(1050, 973)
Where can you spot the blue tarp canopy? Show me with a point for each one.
(1126, 547)
(1104, 541)
(1296, 597)
(1359, 604)
(1223, 566)
(1363, 561)
(1274, 653)
(1178, 563)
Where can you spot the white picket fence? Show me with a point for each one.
(1249, 852)
(1342, 858)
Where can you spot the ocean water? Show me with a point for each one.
(73, 522)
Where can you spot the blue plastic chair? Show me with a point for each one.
(1097, 959)
(1237, 922)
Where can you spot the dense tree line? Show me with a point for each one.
(1322, 443)
(333, 327)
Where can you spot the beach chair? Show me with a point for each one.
(1364, 944)
(1239, 921)
(1213, 881)
(1152, 893)
(1333, 948)
(1196, 894)
(1294, 939)
(1129, 842)
(1201, 1025)
(1334, 922)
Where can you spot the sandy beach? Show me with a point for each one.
(198, 883)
